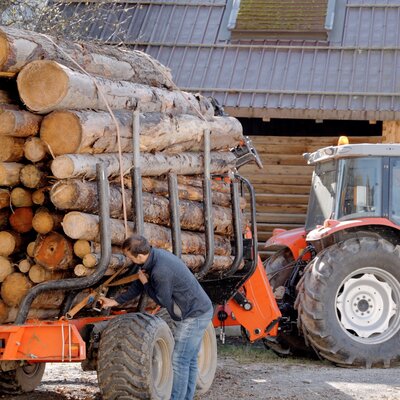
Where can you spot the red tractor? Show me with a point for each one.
(337, 280)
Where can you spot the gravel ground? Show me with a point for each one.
(275, 379)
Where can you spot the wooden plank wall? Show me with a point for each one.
(283, 185)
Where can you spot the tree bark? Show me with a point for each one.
(9, 173)
(3, 312)
(53, 251)
(220, 264)
(45, 221)
(82, 196)
(18, 47)
(21, 197)
(95, 132)
(38, 274)
(33, 177)
(188, 192)
(117, 260)
(79, 225)
(14, 288)
(84, 165)
(57, 87)
(19, 123)
(11, 149)
(21, 219)
(49, 300)
(35, 149)
(6, 268)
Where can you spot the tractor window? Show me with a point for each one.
(395, 191)
(322, 195)
(360, 193)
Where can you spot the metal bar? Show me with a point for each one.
(208, 222)
(105, 239)
(237, 227)
(253, 224)
(175, 214)
(136, 174)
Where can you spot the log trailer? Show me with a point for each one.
(131, 351)
(337, 280)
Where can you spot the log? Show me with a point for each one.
(81, 270)
(11, 149)
(84, 165)
(38, 274)
(19, 123)
(21, 197)
(95, 132)
(45, 221)
(9, 173)
(45, 86)
(3, 312)
(117, 260)
(34, 313)
(18, 47)
(4, 198)
(30, 249)
(21, 219)
(9, 242)
(197, 181)
(220, 264)
(39, 196)
(187, 192)
(33, 177)
(14, 288)
(82, 196)
(53, 251)
(82, 247)
(35, 149)
(79, 225)
(6, 268)
(49, 300)
(24, 265)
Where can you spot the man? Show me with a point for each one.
(168, 281)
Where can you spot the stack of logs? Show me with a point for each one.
(56, 124)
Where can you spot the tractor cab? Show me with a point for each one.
(353, 182)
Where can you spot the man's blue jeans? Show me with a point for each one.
(188, 336)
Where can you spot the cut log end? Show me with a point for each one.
(4, 49)
(6, 268)
(62, 167)
(44, 77)
(14, 288)
(81, 248)
(21, 219)
(59, 122)
(35, 149)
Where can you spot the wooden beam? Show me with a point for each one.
(391, 132)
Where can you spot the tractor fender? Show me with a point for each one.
(332, 226)
(294, 239)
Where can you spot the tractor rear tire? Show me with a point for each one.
(349, 303)
(24, 379)
(134, 360)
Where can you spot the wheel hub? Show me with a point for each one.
(366, 304)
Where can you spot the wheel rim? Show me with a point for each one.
(368, 305)
(160, 363)
(30, 370)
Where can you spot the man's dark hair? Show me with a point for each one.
(136, 244)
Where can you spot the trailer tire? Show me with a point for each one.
(24, 379)
(349, 303)
(207, 360)
(134, 360)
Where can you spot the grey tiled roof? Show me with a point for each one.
(355, 74)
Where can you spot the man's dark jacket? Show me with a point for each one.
(171, 285)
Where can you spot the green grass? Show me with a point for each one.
(253, 353)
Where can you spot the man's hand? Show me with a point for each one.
(143, 277)
(107, 303)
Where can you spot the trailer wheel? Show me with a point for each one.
(349, 303)
(24, 379)
(134, 360)
(207, 360)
